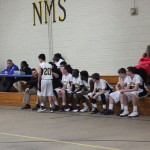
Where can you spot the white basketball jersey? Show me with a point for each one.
(77, 81)
(126, 80)
(103, 85)
(66, 80)
(46, 71)
(87, 84)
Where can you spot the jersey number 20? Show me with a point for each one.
(47, 71)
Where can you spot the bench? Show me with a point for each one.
(16, 99)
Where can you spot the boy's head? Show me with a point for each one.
(95, 77)
(64, 70)
(84, 75)
(41, 57)
(131, 70)
(57, 56)
(75, 73)
(122, 72)
(63, 64)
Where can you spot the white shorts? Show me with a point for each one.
(115, 96)
(46, 88)
(38, 93)
(59, 93)
(135, 93)
(86, 96)
(99, 97)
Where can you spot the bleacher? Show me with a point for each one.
(16, 99)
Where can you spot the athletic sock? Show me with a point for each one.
(95, 105)
(135, 108)
(122, 106)
(42, 104)
(63, 103)
(55, 102)
(104, 106)
(111, 106)
(85, 105)
(77, 105)
(126, 108)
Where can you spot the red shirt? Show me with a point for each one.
(144, 62)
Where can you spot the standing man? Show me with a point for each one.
(9, 70)
(45, 82)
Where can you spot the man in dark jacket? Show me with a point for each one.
(31, 90)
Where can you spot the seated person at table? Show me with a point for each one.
(24, 68)
(31, 90)
(9, 70)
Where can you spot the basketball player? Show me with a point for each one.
(123, 83)
(45, 82)
(77, 85)
(101, 93)
(137, 90)
(67, 86)
(88, 86)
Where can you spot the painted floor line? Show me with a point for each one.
(58, 141)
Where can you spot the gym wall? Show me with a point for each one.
(99, 35)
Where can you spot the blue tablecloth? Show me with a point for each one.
(16, 75)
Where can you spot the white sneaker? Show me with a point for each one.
(134, 114)
(67, 110)
(41, 110)
(125, 113)
(85, 109)
(75, 110)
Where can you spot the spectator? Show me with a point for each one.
(9, 70)
(144, 65)
(24, 68)
(58, 59)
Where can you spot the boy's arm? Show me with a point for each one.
(40, 75)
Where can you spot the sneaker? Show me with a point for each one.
(42, 109)
(103, 111)
(51, 110)
(124, 114)
(121, 111)
(109, 112)
(69, 109)
(27, 106)
(134, 114)
(94, 111)
(77, 110)
(85, 109)
(36, 107)
(62, 109)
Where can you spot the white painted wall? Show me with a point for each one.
(99, 35)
